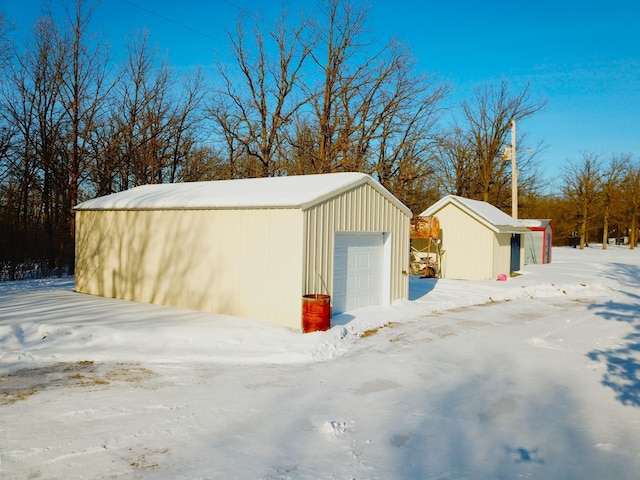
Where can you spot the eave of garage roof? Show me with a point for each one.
(301, 192)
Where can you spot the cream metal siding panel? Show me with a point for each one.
(246, 263)
(318, 250)
(467, 244)
(360, 209)
(501, 255)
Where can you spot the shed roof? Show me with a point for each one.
(536, 223)
(494, 218)
(300, 191)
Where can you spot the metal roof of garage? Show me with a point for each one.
(300, 191)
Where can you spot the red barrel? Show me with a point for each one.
(316, 312)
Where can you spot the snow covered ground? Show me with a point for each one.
(537, 377)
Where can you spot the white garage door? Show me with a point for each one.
(358, 270)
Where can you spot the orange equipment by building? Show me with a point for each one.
(426, 255)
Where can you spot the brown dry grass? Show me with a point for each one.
(147, 459)
(373, 331)
(22, 384)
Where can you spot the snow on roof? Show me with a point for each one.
(301, 191)
(535, 223)
(483, 211)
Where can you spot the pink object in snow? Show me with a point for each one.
(502, 277)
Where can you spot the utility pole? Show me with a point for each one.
(514, 172)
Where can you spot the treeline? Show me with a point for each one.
(598, 201)
(312, 94)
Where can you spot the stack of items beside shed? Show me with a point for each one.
(426, 254)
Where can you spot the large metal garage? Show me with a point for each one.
(251, 248)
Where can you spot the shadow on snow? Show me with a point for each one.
(622, 360)
(419, 286)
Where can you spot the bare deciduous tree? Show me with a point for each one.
(153, 120)
(631, 192)
(453, 158)
(254, 107)
(488, 117)
(82, 94)
(32, 96)
(5, 41)
(610, 192)
(185, 118)
(340, 34)
(137, 102)
(581, 184)
(373, 112)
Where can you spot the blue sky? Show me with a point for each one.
(583, 58)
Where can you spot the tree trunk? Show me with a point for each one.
(632, 233)
(583, 228)
(605, 229)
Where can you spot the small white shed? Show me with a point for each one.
(249, 248)
(478, 241)
(538, 241)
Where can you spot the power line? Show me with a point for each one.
(233, 5)
(171, 20)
